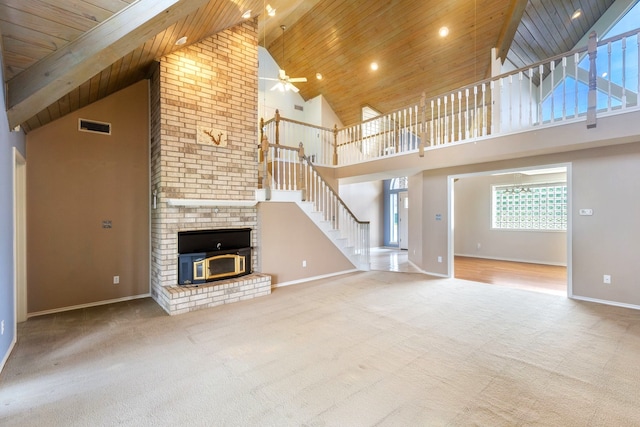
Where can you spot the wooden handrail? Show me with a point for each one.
(313, 167)
(344, 205)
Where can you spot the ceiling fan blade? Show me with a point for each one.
(270, 79)
(292, 87)
(278, 86)
(298, 79)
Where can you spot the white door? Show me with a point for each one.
(403, 220)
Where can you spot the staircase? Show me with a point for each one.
(286, 174)
(347, 246)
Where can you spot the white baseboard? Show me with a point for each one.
(6, 356)
(309, 279)
(605, 302)
(528, 261)
(92, 304)
(445, 276)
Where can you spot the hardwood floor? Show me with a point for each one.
(536, 277)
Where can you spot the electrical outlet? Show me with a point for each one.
(116, 280)
(478, 246)
(2, 328)
(304, 263)
(439, 259)
(606, 279)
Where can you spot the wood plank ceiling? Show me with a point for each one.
(34, 30)
(336, 38)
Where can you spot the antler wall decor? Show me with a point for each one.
(213, 138)
(207, 135)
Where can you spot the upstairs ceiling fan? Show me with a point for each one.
(285, 83)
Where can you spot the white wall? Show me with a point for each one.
(472, 213)
(271, 100)
(319, 112)
(316, 111)
(366, 201)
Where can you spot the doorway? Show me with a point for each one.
(512, 227)
(403, 220)
(20, 235)
(396, 212)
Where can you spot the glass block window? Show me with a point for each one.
(530, 207)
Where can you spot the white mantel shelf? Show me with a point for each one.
(204, 203)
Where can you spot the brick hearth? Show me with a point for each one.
(183, 299)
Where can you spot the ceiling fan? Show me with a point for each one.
(285, 83)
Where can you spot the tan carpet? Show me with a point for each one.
(376, 348)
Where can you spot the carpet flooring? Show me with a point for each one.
(364, 349)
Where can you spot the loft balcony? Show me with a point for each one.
(580, 99)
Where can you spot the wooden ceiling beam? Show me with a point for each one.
(78, 61)
(508, 31)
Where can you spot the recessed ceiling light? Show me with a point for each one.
(271, 11)
(318, 76)
(247, 14)
(374, 66)
(577, 14)
(443, 31)
(182, 40)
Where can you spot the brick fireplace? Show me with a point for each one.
(203, 160)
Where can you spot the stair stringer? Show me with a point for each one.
(333, 235)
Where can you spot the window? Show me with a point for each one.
(371, 127)
(530, 207)
(617, 75)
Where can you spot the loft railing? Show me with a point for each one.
(319, 142)
(289, 169)
(597, 80)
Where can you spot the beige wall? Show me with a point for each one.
(608, 242)
(288, 237)
(603, 179)
(75, 181)
(428, 206)
(472, 211)
(416, 224)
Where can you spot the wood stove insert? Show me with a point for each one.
(209, 255)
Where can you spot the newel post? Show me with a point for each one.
(301, 171)
(423, 114)
(592, 99)
(277, 120)
(266, 185)
(335, 145)
(260, 156)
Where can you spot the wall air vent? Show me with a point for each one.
(93, 126)
(298, 107)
